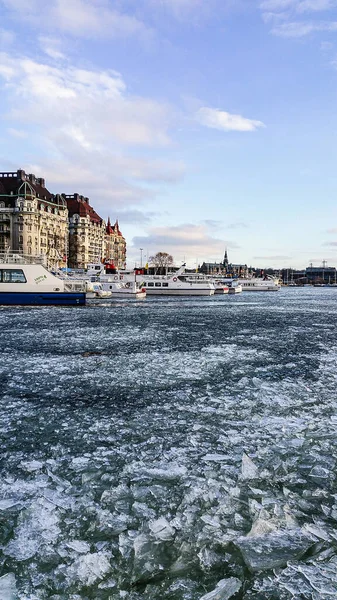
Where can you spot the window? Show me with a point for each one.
(150, 284)
(12, 276)
(165, 284)
(157, 284)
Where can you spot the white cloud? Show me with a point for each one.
(298, 6)
(186, 241)
(88, 128)
(7, 37)
(299, 29)
(84, 105)
(224, 121)
(82, 18)
(52, 47)
(18, 133)
(289, 12)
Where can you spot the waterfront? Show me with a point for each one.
(125, 432)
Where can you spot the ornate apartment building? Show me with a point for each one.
(86, 232)
(115, 246)
(63, 228)
(32, 220)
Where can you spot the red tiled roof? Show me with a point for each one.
(78, 205)
(15, 181)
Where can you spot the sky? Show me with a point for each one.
(200, 124)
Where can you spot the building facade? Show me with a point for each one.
(33, 221)
(224, 268)
(115, 246)
(87, 232)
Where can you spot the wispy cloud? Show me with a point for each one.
(81, 18)
(224, 121)
(298, 6)
(7, 37)
(237, 225)
(289, 18)
(52, 47)
(187, 241)
(273, 257)
(89, 127)
(299, 29)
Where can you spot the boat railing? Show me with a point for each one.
(23, 259)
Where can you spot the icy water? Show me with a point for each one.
(178, 449)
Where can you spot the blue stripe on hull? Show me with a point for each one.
(42, 299)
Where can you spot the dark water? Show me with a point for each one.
(151, 450)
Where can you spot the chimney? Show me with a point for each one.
(32, 178)
(21, 174)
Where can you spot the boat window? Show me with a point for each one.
(12, 276)
(150, 284)
(165, 284)
(157, 284)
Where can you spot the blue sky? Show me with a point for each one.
(199, 124)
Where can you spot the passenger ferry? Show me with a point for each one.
(178, 284)
(259, 284)
(26, 283)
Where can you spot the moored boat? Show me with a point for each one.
(259, 284)
(235, 288)
(27, 283)
(178, 284)
(118, 289)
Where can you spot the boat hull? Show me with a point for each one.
(179, 292)
(261, 288)
(41, 299)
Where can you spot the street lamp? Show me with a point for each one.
(141, 257)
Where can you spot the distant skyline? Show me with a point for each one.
(199, 125)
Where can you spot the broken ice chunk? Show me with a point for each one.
(261, 526)
(212, 521)
(79, 546)
(8, 589)
(249, 469)
(161, 529)
(275, 549)
(215, 457)
(31, 465)
(89, 568)
(226, 588)
(8, 503)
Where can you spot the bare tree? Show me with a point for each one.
(161, 260)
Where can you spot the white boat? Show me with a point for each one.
(260, 284)
(23, 282)
(235, 288)
(118, 289)
(177, 284)
(220, 287)
(95, 289)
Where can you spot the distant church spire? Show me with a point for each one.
(225, 260)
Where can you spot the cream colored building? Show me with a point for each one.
(115, 246)
(86, 232)
(33, 221)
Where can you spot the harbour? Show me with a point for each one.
(148, 449)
